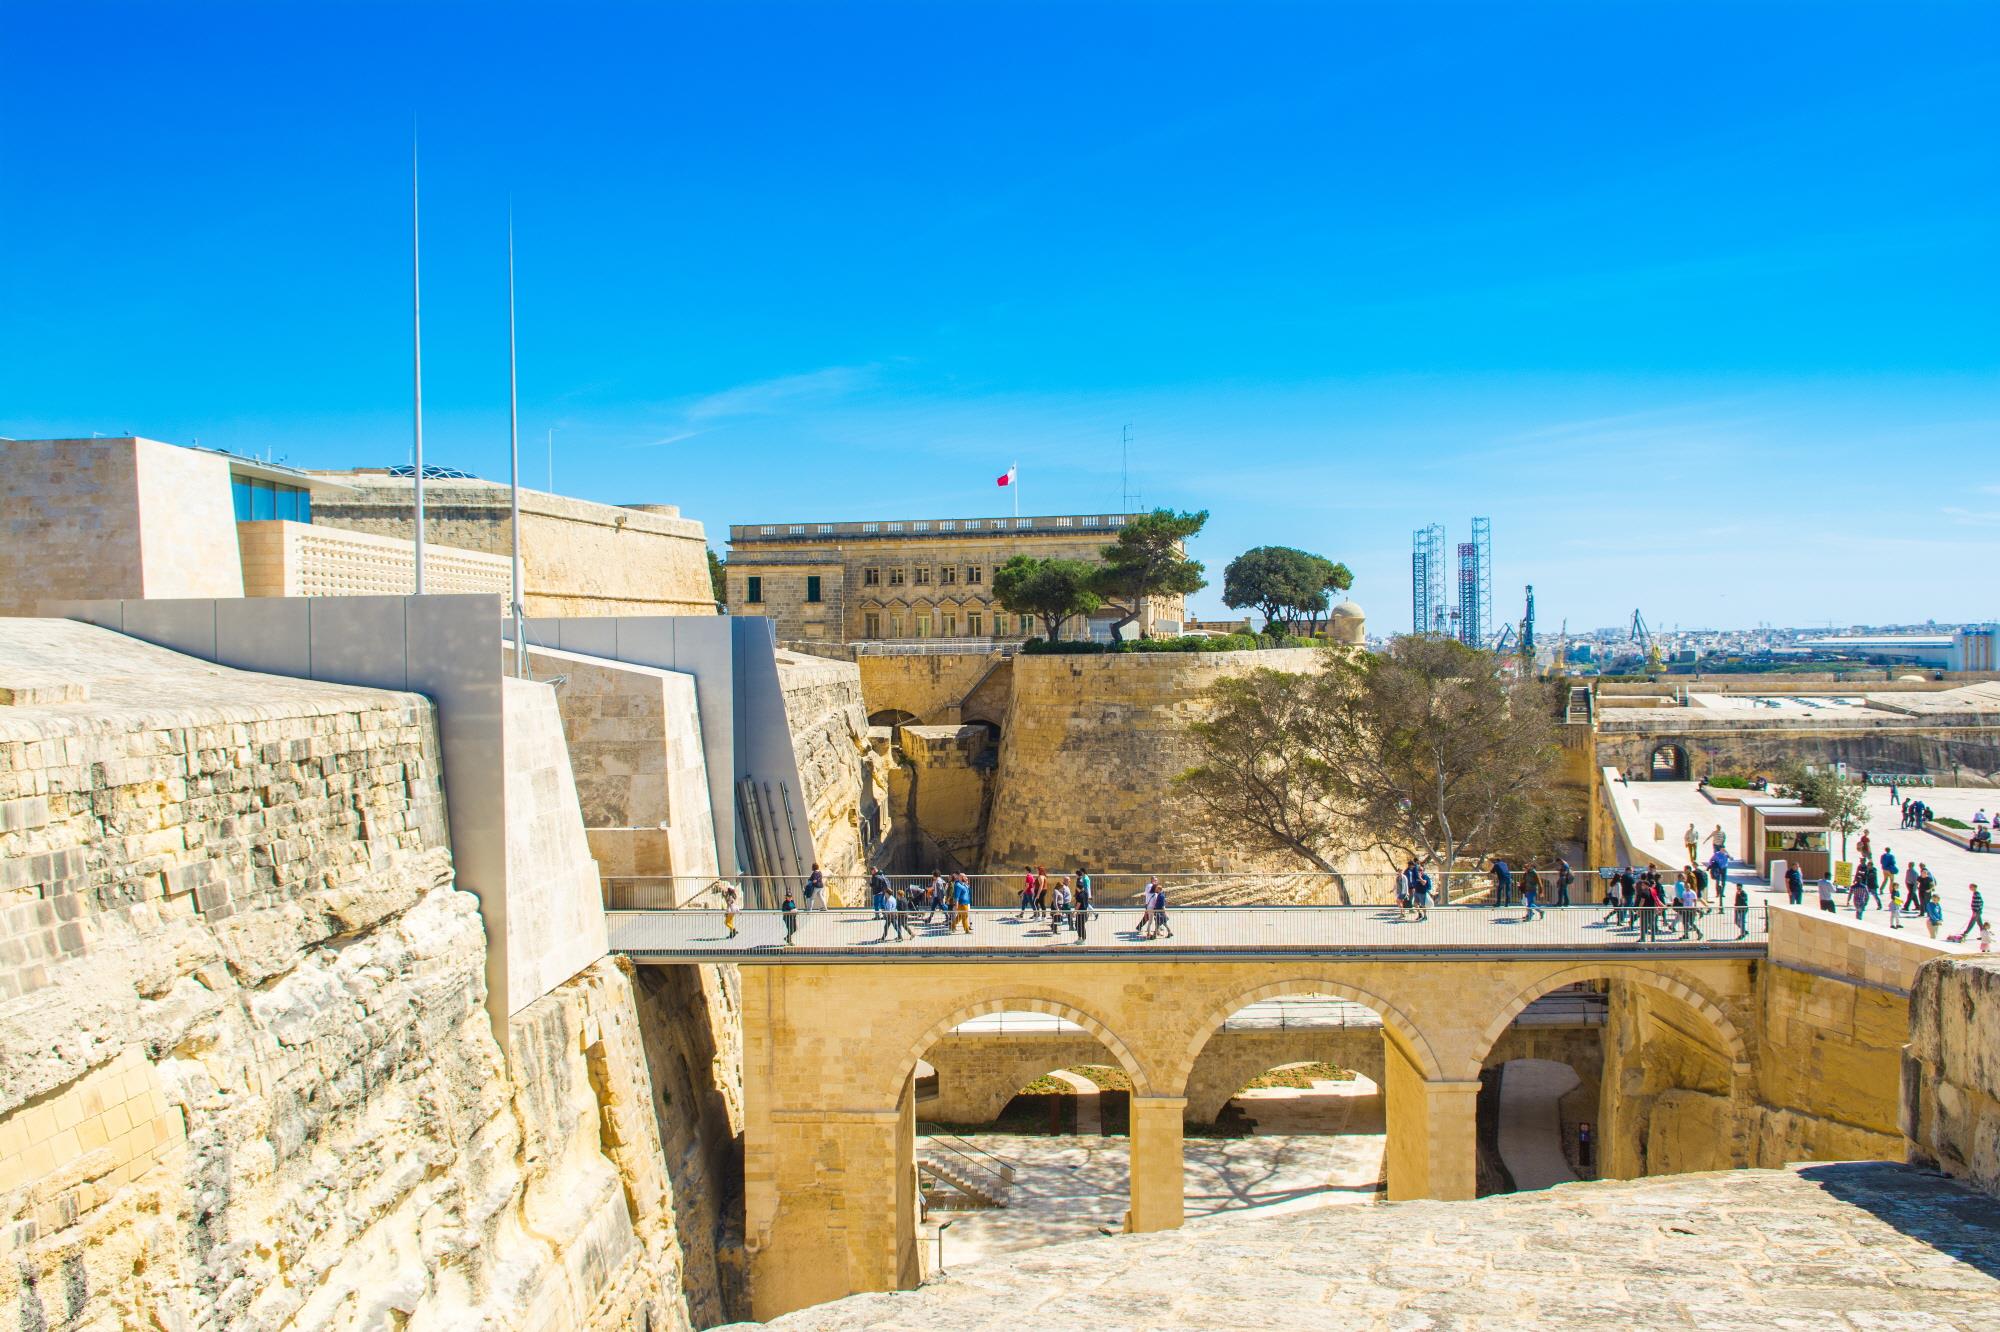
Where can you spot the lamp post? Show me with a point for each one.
(942, 1227)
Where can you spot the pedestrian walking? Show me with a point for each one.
(1826, 900)
(730, 897)
(1082, 907)
(1795, 885)
(1531, 891)
(878, 892)
(961, 903)
(1933, 916)
(1160, 925)
(1692, 840)
(1503, 883)
(1742, 912)
(1718, 870)
(816, 889)
(789, 909)
(1977, 919)
(1565, 876)
(1690, 909)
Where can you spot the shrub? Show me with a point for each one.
(1728, 783)
(1959, 824)
(1041, 647)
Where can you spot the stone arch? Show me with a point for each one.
(1393, 1018)
(1685, 990)
(1022, 999)
(1668, 763)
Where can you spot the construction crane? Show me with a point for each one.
(1640, 633)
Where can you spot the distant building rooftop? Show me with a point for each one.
(903, 529)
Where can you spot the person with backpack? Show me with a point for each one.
(1742, 911)
(1531, 891)
(816, 889)
(1795, 885)
(1160, 925)
(730, 897)
(1565, 876)
(789, 910)
(878, 892)
(1423, 893)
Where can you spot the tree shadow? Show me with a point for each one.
(1951, 1217)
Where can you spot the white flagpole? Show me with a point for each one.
(514, 607)
(417, 344)
(1014, 484)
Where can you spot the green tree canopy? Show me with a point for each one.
(1844, 803)
(716, 579)
(1425, 750)
(1051, 590)
(1148, 560)
(1286, 584)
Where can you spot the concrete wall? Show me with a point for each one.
(1088, 753)
(553, 896)
(580, 558)
(1951, 1074)
(114, 518)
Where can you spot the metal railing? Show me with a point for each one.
(857, 934)
(1108, 889)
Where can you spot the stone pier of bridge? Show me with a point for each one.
(830, 1052)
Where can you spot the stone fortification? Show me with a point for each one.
(1088, 753)
(934, 687)
(248, 1078)
(580, 558)
(1951, 1073)
(845, 778)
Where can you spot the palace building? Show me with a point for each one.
(915, 579)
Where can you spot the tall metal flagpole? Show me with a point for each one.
(417, 347)
(1015, 486)
(514, 459)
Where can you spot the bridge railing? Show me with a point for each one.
(856, 932)
(1108, 889)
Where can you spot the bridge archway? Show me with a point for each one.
(1416, 1046)
(1684, 989)
(1020, 1000)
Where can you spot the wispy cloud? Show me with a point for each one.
(767, 397)
(1973, 517)
(667, 439)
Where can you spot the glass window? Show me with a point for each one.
(895, 527)
(263, 501)
(766, 531)
(895, 626)
(305, 506)
(1062, 522)
(756, 592)
(948, 574)
(1091, 521)
(974, 574)
(1024, 522)
(796, 529)
(871, 577)
(920, 527)
(975, 623)
(239, 489)
(923, 574)
(951, 624)
(871, 625)
(895, 578)
(923, 626)
(871, 527)
(812, 587)
(1027, 624)
(824, 528)
(288, 503)
(946, 525)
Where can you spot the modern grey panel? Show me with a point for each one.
(591, 637)
(361, 641)
(104, 614)
(183, 625)
(272, 634)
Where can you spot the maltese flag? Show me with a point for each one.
(1006, 477)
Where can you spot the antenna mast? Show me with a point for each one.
(1128, 497)
(514, 462)
(417, 358)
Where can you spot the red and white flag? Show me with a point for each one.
(1006, 477)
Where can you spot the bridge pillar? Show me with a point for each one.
(1432, 1131)
(1158, 1178)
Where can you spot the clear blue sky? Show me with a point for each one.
(1699, 304)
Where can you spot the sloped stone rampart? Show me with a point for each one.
(1951, 1071)
(845, 779)
(247, 1074)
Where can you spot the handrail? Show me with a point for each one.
(965, 1152)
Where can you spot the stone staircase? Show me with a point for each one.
(959, 1177)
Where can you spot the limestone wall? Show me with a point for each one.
(580, 558)
(1951, 1074)
(248, 1078)
(950, 785)
(929, 686)
(114, 518)
(844, 777)
(1089, 750)
(288, 559)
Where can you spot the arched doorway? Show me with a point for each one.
(1658, 1058)
(1669, 763)
(1025, 1139)
(1291, 1092)
(895, 719)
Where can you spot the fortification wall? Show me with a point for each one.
(1951, 1074)
(248, 1078)
(846, 784)
(1747, 746)
(928, 686)
(1088, 753)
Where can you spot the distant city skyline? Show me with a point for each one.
(1694, 301)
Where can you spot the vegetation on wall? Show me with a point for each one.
(716, 578)
(1149, 560)
(1184, 643)
(1051, 590)
(1287, 585)
(1424, 750)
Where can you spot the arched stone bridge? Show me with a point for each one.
(831, 1044)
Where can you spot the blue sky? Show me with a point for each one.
(1699, 303)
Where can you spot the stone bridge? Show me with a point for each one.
(834, 1028)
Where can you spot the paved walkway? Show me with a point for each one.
(1817, 1248)
(1673, 805)
(851, 934)
(1531, 1147)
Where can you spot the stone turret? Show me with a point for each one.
(1346, 624)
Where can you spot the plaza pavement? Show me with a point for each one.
(1673, 805)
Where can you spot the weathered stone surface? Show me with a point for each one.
(1951, 1076)
(1811, 1247)
(843, 775)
